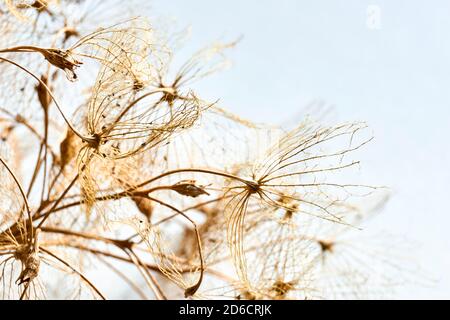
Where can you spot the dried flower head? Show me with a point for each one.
(298, 168)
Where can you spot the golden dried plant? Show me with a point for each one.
(148, 176)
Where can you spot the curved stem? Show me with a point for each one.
(158, 90)
(74, 270)
(115, 196)
(19, 119)
(24, 292)
(51, 95)
(191, 290)
(47, 214)
(27, 205)
(79, 234)
(208, 171)
(149, 278)
(23, 49)
(125, 278)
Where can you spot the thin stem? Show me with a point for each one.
(115, 196)
(52, 96)
(130, 282)
(24, 292)
(79, 234)
(199, 205)
(27, 205)
(158, 90)
(151, 281)
(189, 291)
(23, 49)
(74, 270)
(21, 120)
(208, 171)
(61, 197)
(37, 167)
(44, 178)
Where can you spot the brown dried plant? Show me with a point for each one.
(126, 172)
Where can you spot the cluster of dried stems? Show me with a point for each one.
(120, 171)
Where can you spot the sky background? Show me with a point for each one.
(384, 62)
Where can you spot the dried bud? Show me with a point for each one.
(138, 84)
(63, 60)
(188, 188)
(28, 256)
(144, 205)
(20, 119)
(42, 6)
(280, 288)
(326, 246)
(68, 148)
(6, 132)
(44, 97)
(70, 32)
(31, 269)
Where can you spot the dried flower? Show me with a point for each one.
(295, 169)
(131, 159)
(63, 60)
